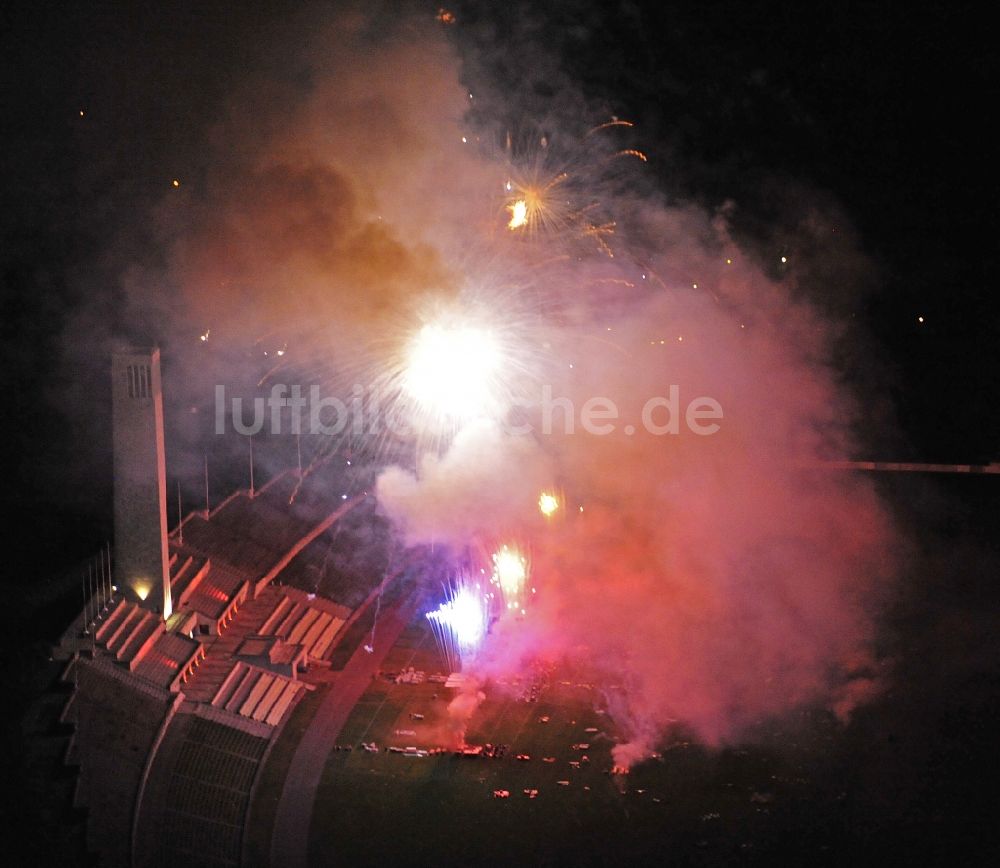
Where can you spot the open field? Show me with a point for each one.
(689, 806)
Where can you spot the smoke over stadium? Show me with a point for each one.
(499, 433)
(365, 181)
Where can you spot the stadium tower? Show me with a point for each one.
(140, 487)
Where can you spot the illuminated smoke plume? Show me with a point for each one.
(722, 578)
(326, 217)
(460, 711)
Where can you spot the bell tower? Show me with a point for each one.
(142, 566)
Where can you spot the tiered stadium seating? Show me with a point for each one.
(256, 694)
(114, 730)
(198, 795)
(305, 622)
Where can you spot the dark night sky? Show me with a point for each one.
(885, 107)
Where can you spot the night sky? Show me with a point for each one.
(880, 111)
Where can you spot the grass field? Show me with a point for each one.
(690, 806)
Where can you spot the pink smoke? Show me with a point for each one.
(727, 576)
(460, 711)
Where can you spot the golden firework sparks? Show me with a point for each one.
(518, 214)
(548, 503)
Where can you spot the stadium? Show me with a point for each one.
(556, 434)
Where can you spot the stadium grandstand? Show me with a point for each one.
(178, 679)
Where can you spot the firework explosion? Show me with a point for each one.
(450, 369)
(499, 286)
(510, 575)
(460, 623)
(548, 503)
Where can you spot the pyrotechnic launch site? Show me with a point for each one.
(501, 434)
(220, 687)
(225, 699)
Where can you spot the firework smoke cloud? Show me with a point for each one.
(676, 397)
